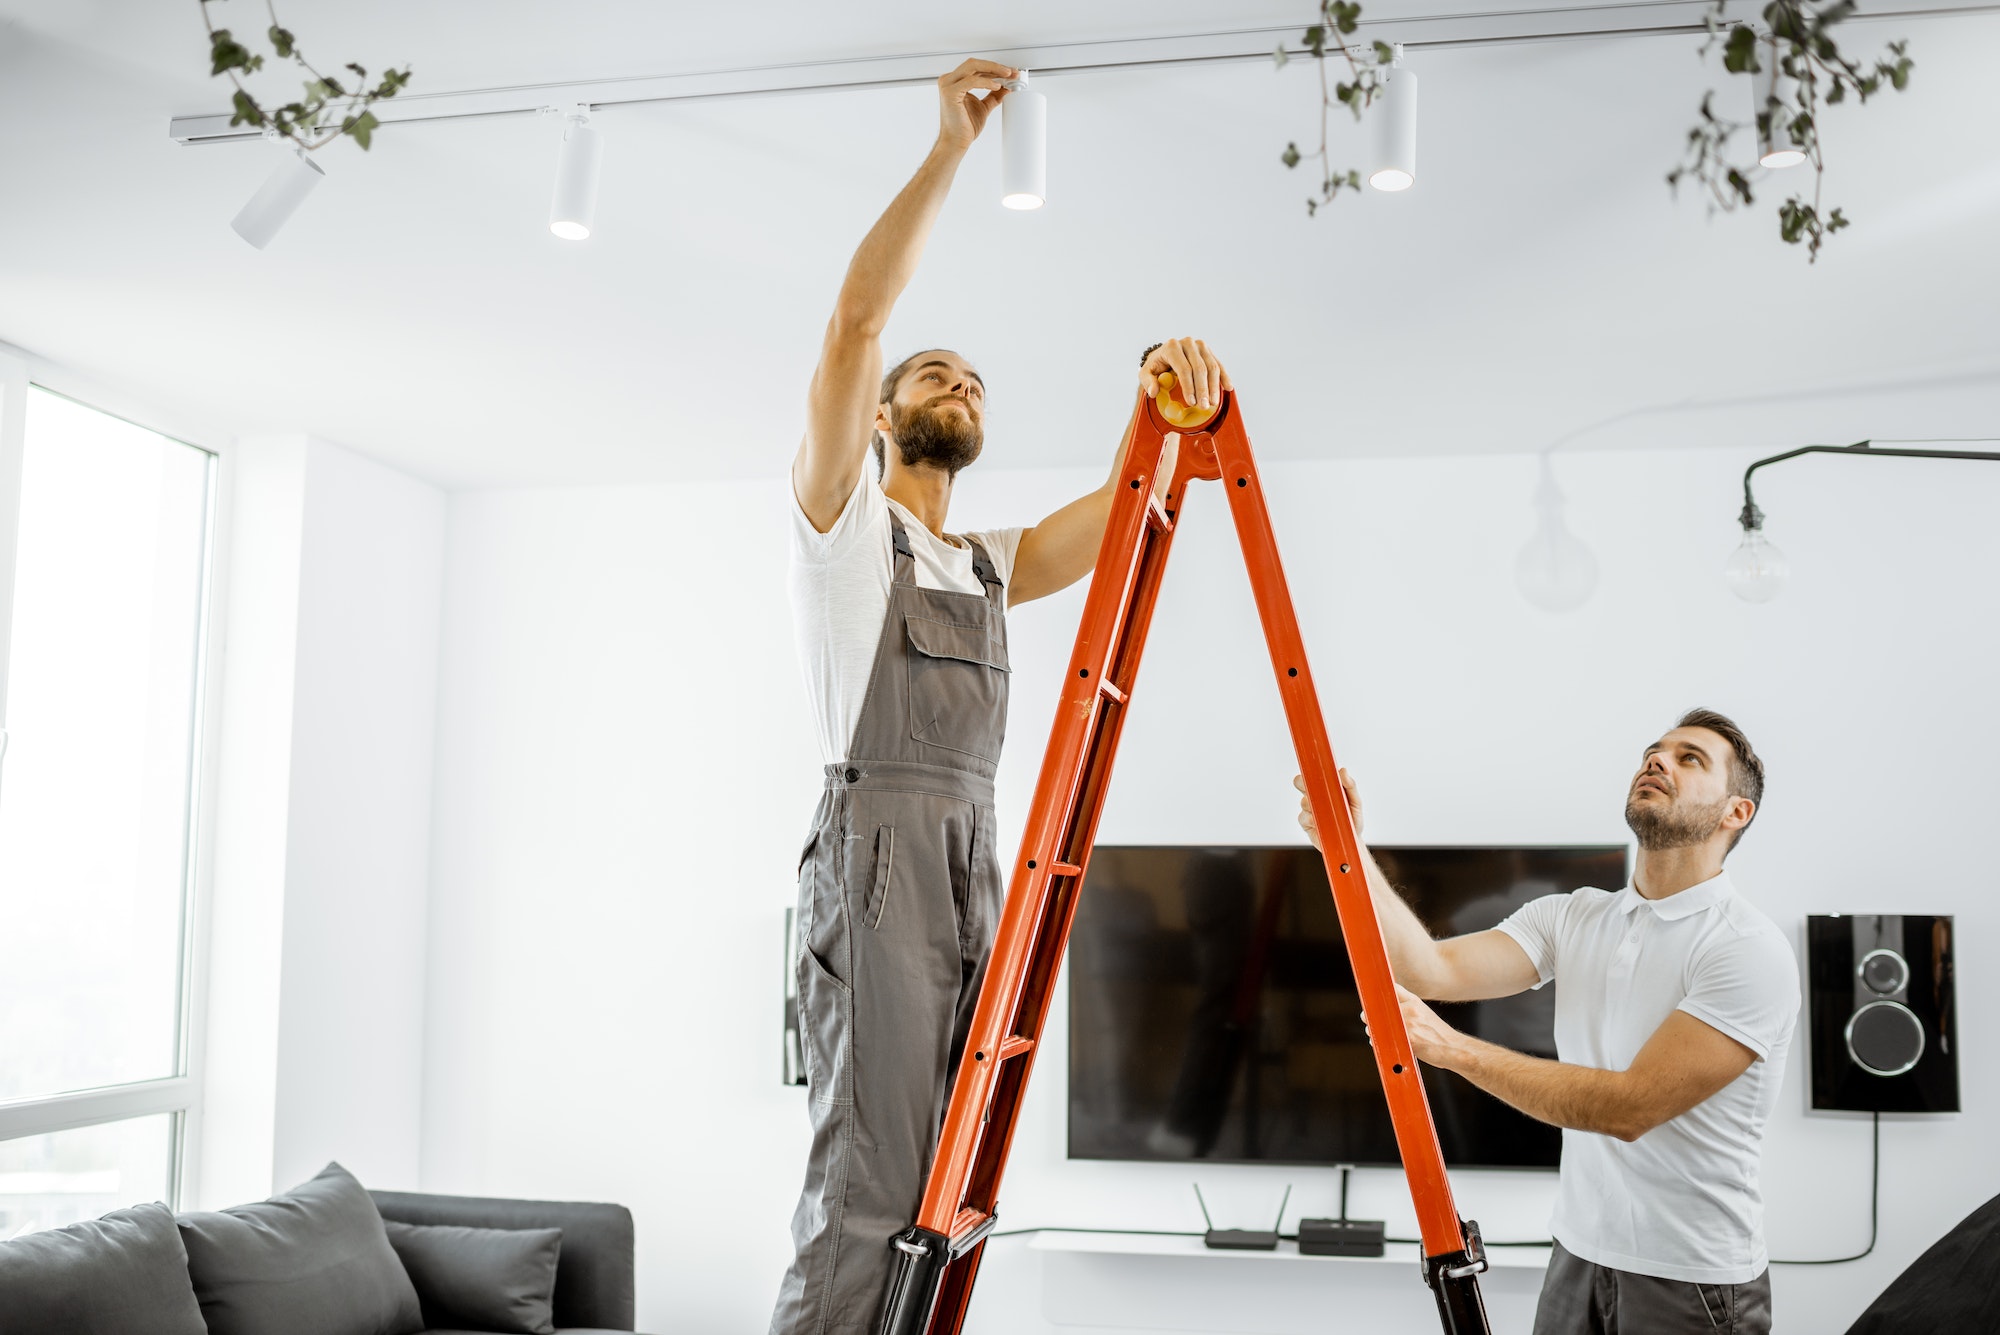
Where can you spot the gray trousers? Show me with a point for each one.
(900, 894)
(1582, 1298)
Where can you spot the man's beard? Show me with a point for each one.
(1673, 825)
(929, 433)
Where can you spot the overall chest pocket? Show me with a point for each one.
(958, 686)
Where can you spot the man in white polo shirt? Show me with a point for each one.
(1677, 1003)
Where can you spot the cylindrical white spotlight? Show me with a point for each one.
(575, 202)
(278, 198)
(1395, 163)
(1024, 147)
(1775, 148)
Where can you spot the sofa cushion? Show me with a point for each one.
(124, 1274)
(489, 1279)
(313, 1261)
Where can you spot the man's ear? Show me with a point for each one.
(1741, 809)
(882, 420)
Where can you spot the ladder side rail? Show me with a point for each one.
(1075, 836)
(1078, 840)
(1402, 1079)
(1055, 794)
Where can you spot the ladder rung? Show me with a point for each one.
(1106, 687)
(1064, 869)
(969, 1227)
(1015, 1046)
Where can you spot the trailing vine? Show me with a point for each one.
(1812, 70)
(310, 121)
(1338, 20)
(1796, 41)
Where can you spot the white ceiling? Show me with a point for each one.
(1538, 280)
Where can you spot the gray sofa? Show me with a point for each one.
(328, 1258)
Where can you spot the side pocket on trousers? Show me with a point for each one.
(885, 861)
(826, 1015)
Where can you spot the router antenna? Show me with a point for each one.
(1282, 1203)
(1204, 1208)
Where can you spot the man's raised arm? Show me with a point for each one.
(840, 408)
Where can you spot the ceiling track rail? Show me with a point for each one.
(1638, 18)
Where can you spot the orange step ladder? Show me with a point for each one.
(938, 1257)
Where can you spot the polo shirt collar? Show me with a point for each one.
(1685, 904)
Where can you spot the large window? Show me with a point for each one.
(103, 610)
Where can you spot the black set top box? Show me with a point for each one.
(1340, 1237)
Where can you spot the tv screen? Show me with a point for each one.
(1213, 1014)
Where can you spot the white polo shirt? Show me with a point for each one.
(1682, 1201)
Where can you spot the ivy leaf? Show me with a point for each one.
(282, 42)
(1278, 59)
(1316, 40)
(1346, 16)
(1739, 53)
(1290, 157)
(225, 53)
(247, 111)
(1793, 216)
(362, 127)
(1384, 52)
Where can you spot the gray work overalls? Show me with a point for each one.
(899, 894)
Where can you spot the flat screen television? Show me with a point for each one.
(1213, 1015)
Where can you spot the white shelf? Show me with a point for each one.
(1148, 1244)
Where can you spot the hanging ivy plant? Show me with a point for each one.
(1797, 44)
(1338, 20)
(330, 108)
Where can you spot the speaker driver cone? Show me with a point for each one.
(1884, 971)
(1885, 1038)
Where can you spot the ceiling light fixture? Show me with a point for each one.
(1757, 569)
(1555, 571)
(278, 198)
(1395, 162)
(1024, 146)
(575, 203)
(1775, 148)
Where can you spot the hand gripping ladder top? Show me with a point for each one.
(938, 1258)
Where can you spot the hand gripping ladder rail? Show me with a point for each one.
(938, 1258)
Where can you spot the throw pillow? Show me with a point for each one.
(314, 1261)
(124, 1274)
(494, 1279)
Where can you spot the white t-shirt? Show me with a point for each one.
(1682, 1201)
(840, 594)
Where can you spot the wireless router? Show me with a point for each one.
(1242, 1239)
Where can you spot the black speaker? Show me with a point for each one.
(1884, 1031)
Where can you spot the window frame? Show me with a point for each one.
(178, 1095)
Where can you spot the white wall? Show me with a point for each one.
(624, 770)
(315, 1008)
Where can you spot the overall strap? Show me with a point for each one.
(902, 563)
(982, 566)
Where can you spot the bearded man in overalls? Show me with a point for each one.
(903, 639)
